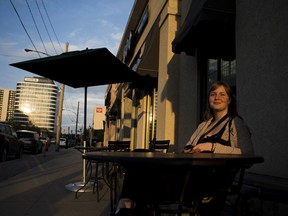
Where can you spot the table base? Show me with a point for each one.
(80, 187)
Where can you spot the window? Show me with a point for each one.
(220, 70)
(212, 70)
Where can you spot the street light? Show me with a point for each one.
(59, 117)
(29, 50)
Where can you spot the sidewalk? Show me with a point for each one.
(41, 190)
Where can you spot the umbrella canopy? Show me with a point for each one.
(90, 67)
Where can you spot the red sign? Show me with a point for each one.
(99, 109)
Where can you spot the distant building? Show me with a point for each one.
(96, 132)
(36, 102)
(7, 100)
(99, 117)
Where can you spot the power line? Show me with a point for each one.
(35, 23)
(46, 28)
(51, 25)
(24, 27)
(36, 26)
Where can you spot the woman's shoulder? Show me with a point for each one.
(239, 121)
(237, 118)
(205, 122)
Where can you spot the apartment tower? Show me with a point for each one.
(36, 102)
(7, 99)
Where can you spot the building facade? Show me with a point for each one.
(99, 117)
(36, 102)
(185, 46)
(7, 100)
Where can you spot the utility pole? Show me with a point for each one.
(60, 109)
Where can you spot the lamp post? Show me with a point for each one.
(29, 50)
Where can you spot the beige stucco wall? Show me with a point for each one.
(262, 77)
(166, 116)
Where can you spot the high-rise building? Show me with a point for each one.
(7, 99)
(36, 102)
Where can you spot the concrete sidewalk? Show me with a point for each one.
(41, 190)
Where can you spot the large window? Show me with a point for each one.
(220, 70)
(212, 70)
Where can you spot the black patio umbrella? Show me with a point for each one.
(90, 67)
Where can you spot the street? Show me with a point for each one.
(36, 185)
(13, 166)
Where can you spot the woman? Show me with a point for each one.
(223, 130)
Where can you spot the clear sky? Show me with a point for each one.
(46, 26)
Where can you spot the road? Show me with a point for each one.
(13, 166)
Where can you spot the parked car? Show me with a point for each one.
(62, 142)
(10, 145)
(31, 141)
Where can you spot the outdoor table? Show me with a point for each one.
(83, 149)
(205, 174)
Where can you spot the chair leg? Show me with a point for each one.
(113, 185)
(97, 177)
(96, 181)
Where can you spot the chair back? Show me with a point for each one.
(120, 145)
(159, 145)
(141, 150)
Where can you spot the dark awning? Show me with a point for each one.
(210, 28)
(146, 82)
(90, 67)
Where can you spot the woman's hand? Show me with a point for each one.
(188, 148)
(201, 147)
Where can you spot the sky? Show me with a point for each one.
(46, 26)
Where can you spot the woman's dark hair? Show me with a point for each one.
(232, 107)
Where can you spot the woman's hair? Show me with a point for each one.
(232, 107)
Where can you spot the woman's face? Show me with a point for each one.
(219, 100)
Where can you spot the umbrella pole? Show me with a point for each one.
(82, 186)
(84, 163)
(84, 141)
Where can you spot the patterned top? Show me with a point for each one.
(239, 141)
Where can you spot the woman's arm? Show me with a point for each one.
(197, 134)
(244, 141)
(240, 139)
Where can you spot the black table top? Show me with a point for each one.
(176, 159)
(185, 176)
(83, 149)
